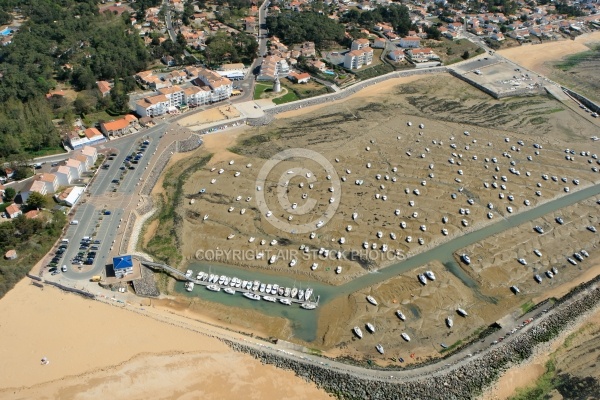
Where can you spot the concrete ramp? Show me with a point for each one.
(557, 93)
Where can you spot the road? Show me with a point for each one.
(169, 22)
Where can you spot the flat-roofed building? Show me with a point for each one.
(355, 59)
(220, 87)
(77, 168)
(64, 175)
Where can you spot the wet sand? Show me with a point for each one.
(94, 347)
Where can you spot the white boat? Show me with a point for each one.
(430, 275)
(591, 228)
(268, 288)
(449, 322)
(538, 278)
(222, 279)
(338, 270)
(213, 288)
(465, 259)
(522, 261)
(275, 289)
(269, 299)
(301, 295)
(262, 287)
(286, 292)
(560, 220)
(190, 286)
(272, 259)
(293, 292)
(405, 336)
(251, 296)
(539, 229)
(379, 349)
(308, 306)
(371, 300)
(249, 285)
(515, 289)
(273, 242)
(314, 266)
(188, 273)
(370, 327)
(293, 262)
(287, 302)
(400, 315)
(357, 332)
(569, 259)
(256, 285)
(205, 217)
(549, 274)
(461, 312)
(537, 252)
(585, 253)
(422, 279)
(554, 270)
(251, 239)
(445, 232)
(307, 294)
(229, 290)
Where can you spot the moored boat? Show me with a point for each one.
(461, 312)
(251, 296)
(449, 322)
(308, 306)
(286, 292)
(189, 286)
(370, 327)
(400, 315)
(269, 299)
(229, 290)
(293, 292)
(287, 302)
(357, 332)
(465, 259)
(213, 288)
(379, 349)
(405, 336)
(372, 300)
(301, 295)
(308, 293)
(430, 275)
(422, 279)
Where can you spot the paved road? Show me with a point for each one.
(169, 22)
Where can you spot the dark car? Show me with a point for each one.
(59, 252)
(107, 212)
(115, 181)
(97, 242)
(132, 167)
(135, 162)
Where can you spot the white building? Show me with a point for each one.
(70, 196)
(76, 167)
(410, 42)
(64, 176)
(273, 67)
(360, 44)
(220, 87)
(355, 59)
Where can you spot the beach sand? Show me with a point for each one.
(537, 57)
(98, 350)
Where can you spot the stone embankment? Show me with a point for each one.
(159, 166)
(462, 380)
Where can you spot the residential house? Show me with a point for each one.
(77, 168)
(355, 59)
(70, 196)
(359, 44)
(379, 43)
(50, 181)
(299, 77)
(83, 160)
(498, 36)
(168, 60)
(236, 71)
(31, 214)
(9, 172)
(410, 42)
(63, 175)
(318, 64)
(104, 88)
(250, 24)
(13, 211)
(119, 127)
(396, 55)
(421, 55)
(196, 96)
(152, 106)
(90, 136)
(91, 153)
(33, 186)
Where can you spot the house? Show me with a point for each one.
(498, 36)
(318, 64)
(13, 211)
(77, 168)
(64, 175)
(396, 55)
(91, 153)
(123, 266)
(359, 44)
(119, 127)
(94, 136)
(379, 43)
(70, 196)
(410, 42)
(220, 87)
(302, 77)
(357, 58)
(196, 96)
(104, 88)
(421, 55)
(250, 24)
(236, 71)
(168, 60)
(9, 172)
(50, 181)
(31, 214)
(152, 106)
(83, 160)
(273, 67)
(90, 136)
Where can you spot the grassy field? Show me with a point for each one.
(451, 51)
(47, 152)
(260, 88)
(286, 98)
(579, 72)
(92, 119)
(372, 72)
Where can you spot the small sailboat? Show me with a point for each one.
(449, 322)
(287, 302)
(357, 332)
(308, 306)
(370, 327)
(379, 349)
(400, 315)
(422, 279)
(372, 300)
(461, 312)
(405, 336)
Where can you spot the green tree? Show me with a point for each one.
(36, 201)
(9, 194)
(466, 55)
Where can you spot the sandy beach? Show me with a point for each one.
(95, 348)
(536, 57)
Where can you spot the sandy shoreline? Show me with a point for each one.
(105, 346)
(536, 57)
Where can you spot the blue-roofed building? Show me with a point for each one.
(123, 266)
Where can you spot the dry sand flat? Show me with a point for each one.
(536, 57)
(97, 350)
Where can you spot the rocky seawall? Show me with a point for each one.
(463, 380)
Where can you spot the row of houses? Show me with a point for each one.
(210, 87)
(73, 169)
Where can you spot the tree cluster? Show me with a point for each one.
(394, 14)
(239, 47)
(298, 27)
